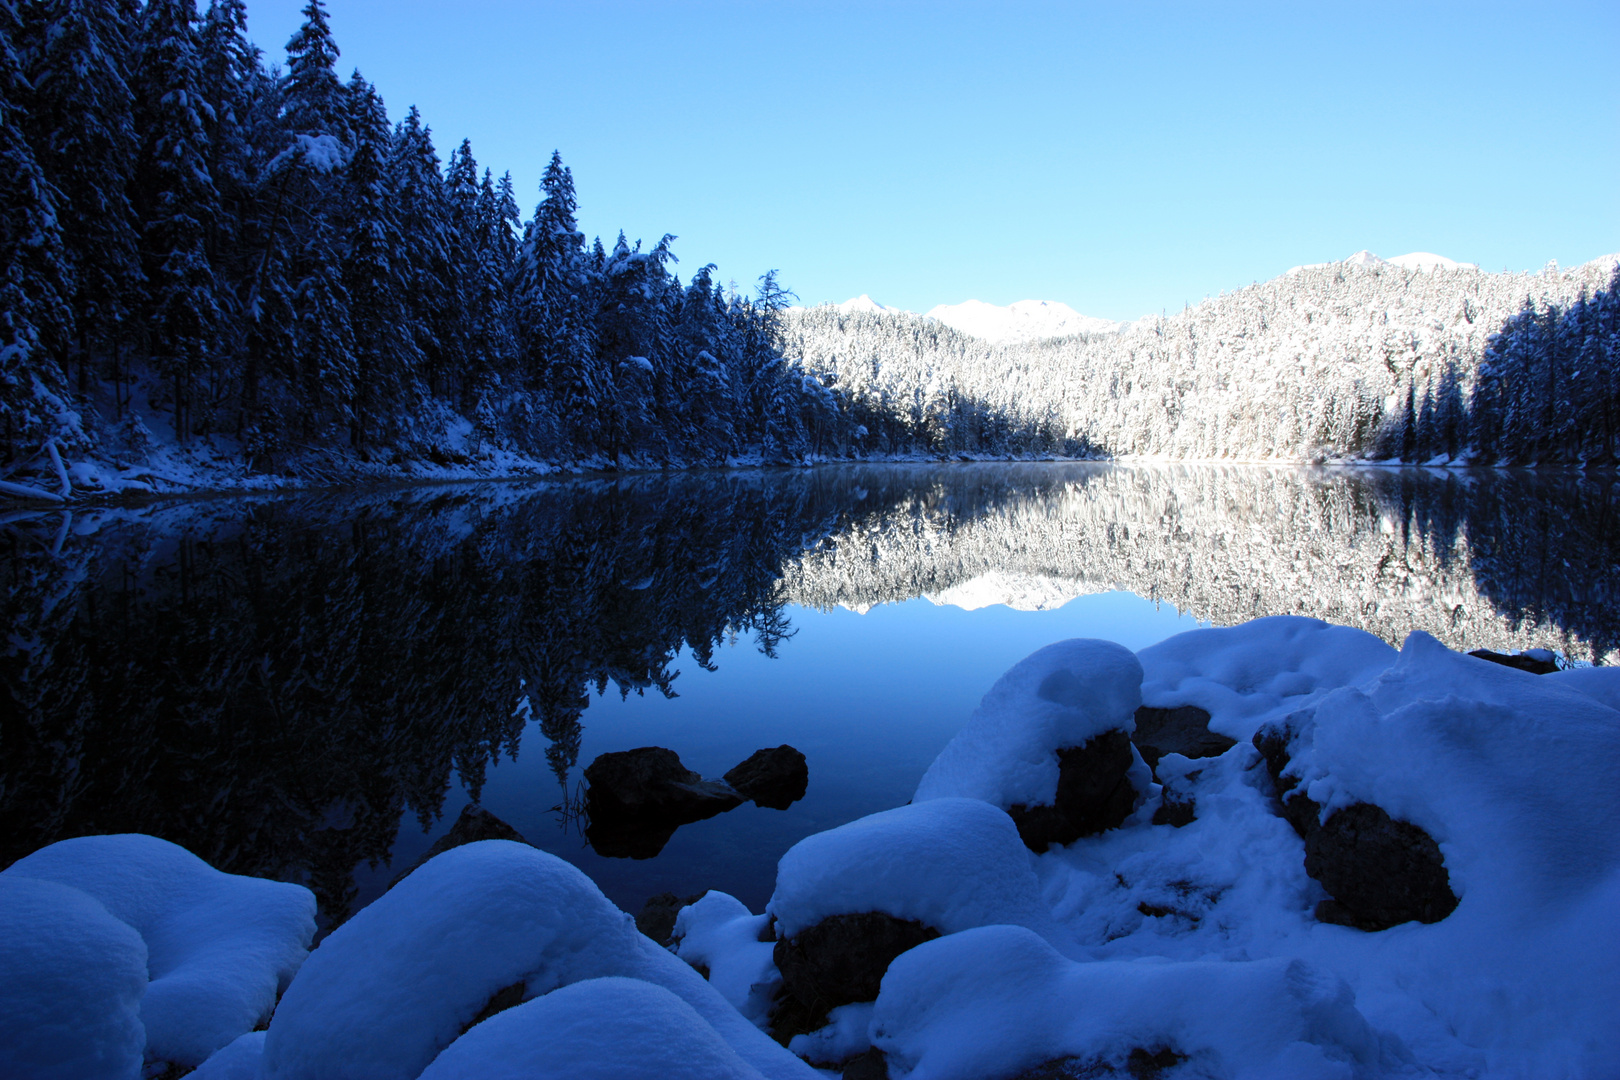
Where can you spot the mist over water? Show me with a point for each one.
(309, 688)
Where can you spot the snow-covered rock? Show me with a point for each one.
(1248, 675)
(721, 935)
(909, 862)
(390, 989)
(999, 1000)
(1024, 320)
(1061, 696)
(71, 979)
(610, 1028)
(220, 947)
(237, 1061)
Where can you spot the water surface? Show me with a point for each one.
(311, 687)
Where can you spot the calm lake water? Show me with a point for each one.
(312, 687)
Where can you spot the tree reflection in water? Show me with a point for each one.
(275, 683)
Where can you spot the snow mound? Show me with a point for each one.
(1599, 683)
(722, 935)
(952, 864)
(219, 946)
(1025, 320)
(1473, 752)
(397, 983)
(71, 979)
(238, 1061)
(1248, 675)
(999, 1000)
(596, 1029)
(1062, 695)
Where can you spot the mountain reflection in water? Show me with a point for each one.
(275, 683)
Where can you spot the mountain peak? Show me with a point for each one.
(1024, 320)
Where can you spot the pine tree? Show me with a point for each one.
(555, 311)
(375, 276)
(315, 100)
(82, 113)
(178, 204)
(35, 320)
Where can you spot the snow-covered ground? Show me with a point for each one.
(1194, 950)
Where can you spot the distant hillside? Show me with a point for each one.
(1417, 359)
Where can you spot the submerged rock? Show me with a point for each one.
(1094, 793)
(774, 778)
(1181, 730)
(636, 799)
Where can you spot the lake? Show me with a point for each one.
(311, 687)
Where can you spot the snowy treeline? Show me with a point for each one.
(261, 258)
(1346, 360)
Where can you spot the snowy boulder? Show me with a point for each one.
(474, 823)
(775, 778)
(1467, 752)
(637, 798)
(1050, 744)
(490, 922)
(220, 947)
(71, 980)
(1258, 672)
(719, 935)
(999, 1001)
(1377, 871)
(1181, 730)
(849, 900)
(598, 1029)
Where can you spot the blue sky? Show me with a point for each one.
(1119, 158)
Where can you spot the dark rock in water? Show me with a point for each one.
(636, 799)
(1094, 793)
(840, 960)
(871, 1065)
(1182, 730)
(658, 914)
(1535, 665)
(1178, 808)
(1139, 1065)
(651, 780)
(772, 778)
(474, 823)
(1380, 872)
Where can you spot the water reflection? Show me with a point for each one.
(275, 683)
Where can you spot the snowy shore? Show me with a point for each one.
(1281, 849)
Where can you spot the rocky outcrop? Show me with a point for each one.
(838, 961)
(657, 916)
(1177, 808)
(474, 823)
(1377, 871)
(1181, 730)
(1140, 1064)
(1534, 661)
(1094, 793)
(774, 778)
(636, 799)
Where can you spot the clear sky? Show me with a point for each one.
(1121, 158)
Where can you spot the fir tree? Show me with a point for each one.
(178, 205)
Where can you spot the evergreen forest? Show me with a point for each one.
(204, 252)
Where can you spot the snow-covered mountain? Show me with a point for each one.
(1414, 260)
(1025, 320)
